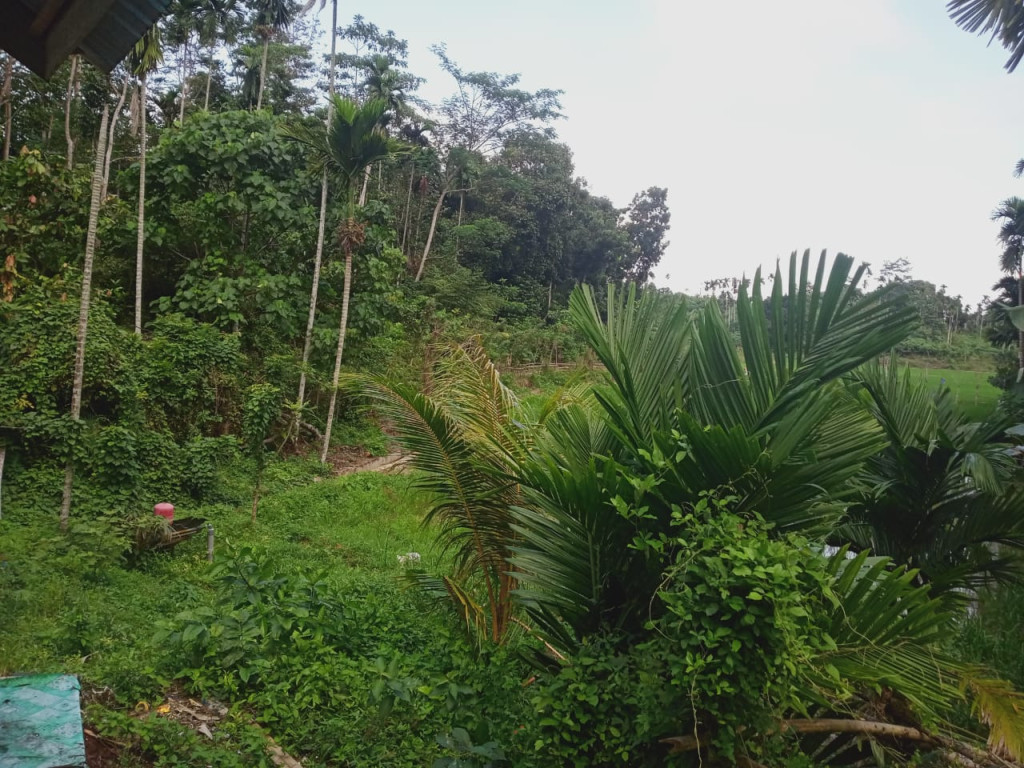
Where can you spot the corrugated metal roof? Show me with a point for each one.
(41, 34)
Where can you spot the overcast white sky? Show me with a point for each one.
(872, 127)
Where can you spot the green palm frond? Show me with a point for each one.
(469, 384)
(792, 343)
(887, 631)
(463, 474)
(467, 439)
(939, 495)
(356, 139)
(883, 629)
(582, 575)
(683, 414)
(147, 54)
(578, 390)
(1010, 215)
(642, 342)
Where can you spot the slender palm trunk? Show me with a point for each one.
(343, 328)
(140, 236)
(83, 310)
(366, 183)
(209, 78)
(3, 456)
(408, 207)
(7, 97)
(414, 243)
(318, 258)
(70, 158)
(184, 82)
(263, 72)
(462, 205)
(110, 140)
(431, 231)
(307, 344)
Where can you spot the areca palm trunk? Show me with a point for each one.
(318, 258)
(366, 183)
(209, 79)
(431, 231)
(6, 98)
(110, 140)
(69, 160)
(263, 71)
(342, 330)
(408, 206)
(83, 310)
(184, 82)
(3, 456)
(140, 237)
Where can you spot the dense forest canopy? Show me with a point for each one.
(741, 532)
(218, 209)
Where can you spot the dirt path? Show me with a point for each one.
(347, 461)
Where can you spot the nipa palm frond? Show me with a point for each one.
(643, 344)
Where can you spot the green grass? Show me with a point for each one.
(65, 600)
(71, 604)
(972, 390)
(538, 388)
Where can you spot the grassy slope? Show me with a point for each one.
(66, 608)
(60, 603)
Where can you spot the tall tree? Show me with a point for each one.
(146, 56)
(355, 140)
(484, 111)
(180, 28)
(318, 257)
(647, 221)
(1010, 215)
(385, 83)
(111, 133)
(68, 100)
(83, 313)
(218, 21)
(272, 16)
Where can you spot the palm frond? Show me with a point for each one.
(642, 342)
(445, 589)
(883, 629)
(798, 341)
(997, 705)
(939, 496)
(1003, 18)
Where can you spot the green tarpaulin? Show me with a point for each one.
(41, 722)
